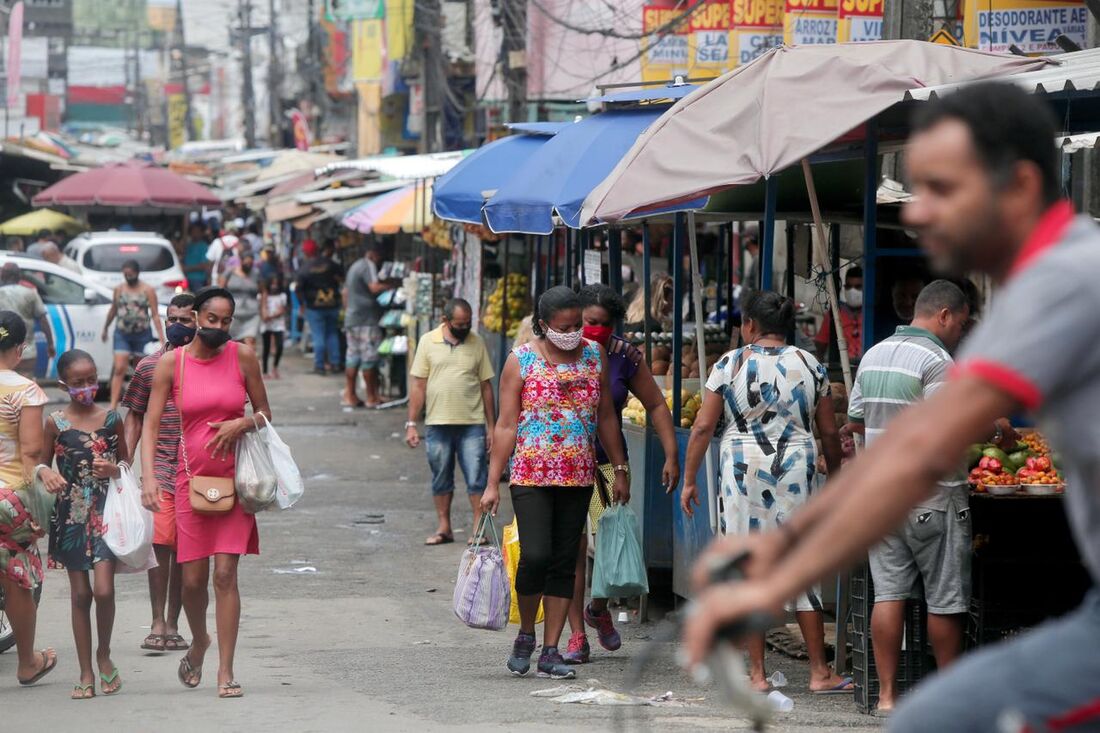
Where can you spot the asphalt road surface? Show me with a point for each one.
(347, 621)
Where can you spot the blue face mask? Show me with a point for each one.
(179, 335)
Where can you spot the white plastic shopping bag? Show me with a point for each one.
(255, 473)
(291, 487)
(129, 533)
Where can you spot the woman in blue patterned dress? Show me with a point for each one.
(771, 395)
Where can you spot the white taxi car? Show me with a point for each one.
(101, 254)
(76, 309)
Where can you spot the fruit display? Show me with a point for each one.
(690, 402)
(516, 308)
(715, 338)
(1030, 464)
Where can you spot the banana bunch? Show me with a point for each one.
(516, 307)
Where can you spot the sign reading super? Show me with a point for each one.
(757, 27)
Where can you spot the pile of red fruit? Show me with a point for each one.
(1038, 470)
(990, 471)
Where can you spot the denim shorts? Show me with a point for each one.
(132, 343)
(445, 443)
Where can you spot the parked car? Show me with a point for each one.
(101, 254)
(76, 308)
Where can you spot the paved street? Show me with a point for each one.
(368, 641)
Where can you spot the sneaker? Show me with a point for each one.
(605, 628)
(578, 650)
(519, 663)
(553, 666)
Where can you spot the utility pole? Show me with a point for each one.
(188, 125)
(274, 79)
(513, 53)
(909, 19)
(139, 91)
(244, 15)
(428, 21)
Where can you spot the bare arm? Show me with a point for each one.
(504, 433)
(645, 388)
(489, 403)
(154, 413)
(611, 434)
(44, 324)
(922, 446)
(132, 426)
(702, 431)
(32, 440)
(154, 313)
(418, 388)
(111, 313)
(825, 420)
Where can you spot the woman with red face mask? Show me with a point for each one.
(628, 374)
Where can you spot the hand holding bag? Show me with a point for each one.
(129, 533)
(482, 592)
(254, 477)
(290, 484)
(207, 494)
(619, 570)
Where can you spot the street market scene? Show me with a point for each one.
(755, 338)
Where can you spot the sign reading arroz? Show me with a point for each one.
(1031, 25)
(757, 27)
(808, 22)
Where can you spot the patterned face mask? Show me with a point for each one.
(564, 341)
(83, 395)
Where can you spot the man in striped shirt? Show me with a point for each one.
(934, 543)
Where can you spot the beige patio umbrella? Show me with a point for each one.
(766, 116)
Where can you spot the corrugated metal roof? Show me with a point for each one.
(1067, 72)
(407, 167)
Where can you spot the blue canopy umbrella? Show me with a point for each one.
(559, 175)
(461, 191)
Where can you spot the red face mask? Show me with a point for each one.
(599, 334)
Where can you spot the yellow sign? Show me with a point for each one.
(177, 114)
(757, 27)
(698, 46)
(943, 38)
(368, 50)
(859, 21)
(808, 22)
(399, 28)
(1030, 25)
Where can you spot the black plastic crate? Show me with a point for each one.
(914, 662)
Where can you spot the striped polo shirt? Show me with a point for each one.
(894, 374)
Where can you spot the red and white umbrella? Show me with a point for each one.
(130, 185)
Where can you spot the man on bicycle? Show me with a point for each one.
(985, 174)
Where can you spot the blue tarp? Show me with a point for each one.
(650, 94)
(561, 173)
(459, 193)
(537, 128)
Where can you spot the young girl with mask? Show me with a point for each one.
(554, 398)
(87, 442)
(628, 374)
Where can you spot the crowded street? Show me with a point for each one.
(348, 626)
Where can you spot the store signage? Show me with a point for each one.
(757, 27)
(859, 21)
(1033, 26)
(810, 22)
(696, 46)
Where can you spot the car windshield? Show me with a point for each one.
(110, 257)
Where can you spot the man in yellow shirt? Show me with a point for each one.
(451, 373)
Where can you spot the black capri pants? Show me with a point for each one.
(550, 520)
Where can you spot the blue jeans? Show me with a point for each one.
(324, 327)
(443, 444)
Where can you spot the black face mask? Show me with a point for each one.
(213, 338)
(131, 281)
(460, 334)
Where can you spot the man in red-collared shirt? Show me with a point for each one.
(987, 197)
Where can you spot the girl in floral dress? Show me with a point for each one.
(87, 442)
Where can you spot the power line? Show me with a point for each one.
(612, 33)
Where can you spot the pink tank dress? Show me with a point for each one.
(213, 391)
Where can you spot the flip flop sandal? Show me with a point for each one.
(51, 662)
(840, 689)
(187, 671)
(150, 643)
(230, 690)
(110, 680)
(175, 643)
(439, 539)
(83, 692)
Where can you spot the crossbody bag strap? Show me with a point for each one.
(181, 355)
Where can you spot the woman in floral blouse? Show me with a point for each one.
(554, 397)
(23, 516)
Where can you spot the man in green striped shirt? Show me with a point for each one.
(934, 543)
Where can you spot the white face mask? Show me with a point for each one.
(564, 341)
(853, 297)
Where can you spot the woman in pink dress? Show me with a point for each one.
(210, 387)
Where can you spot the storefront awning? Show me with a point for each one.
(561, 173)
(461, 192)
(407, 167)
(403, 210)
(768, 115)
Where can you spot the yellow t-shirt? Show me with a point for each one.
(16, 392)
(454, 375)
